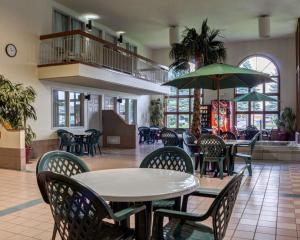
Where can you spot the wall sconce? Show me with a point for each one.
(89, 25)
(87, 97)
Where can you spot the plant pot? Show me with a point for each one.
(28, 153)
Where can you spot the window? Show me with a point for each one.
(256, 113)
(179, 105)
(109, 103)
(63, 22)
(67, 108)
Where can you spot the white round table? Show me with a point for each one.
(139, 185)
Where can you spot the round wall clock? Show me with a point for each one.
(11, 50)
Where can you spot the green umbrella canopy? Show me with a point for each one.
(254, 97)
(220, 76)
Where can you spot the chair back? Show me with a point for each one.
(228, 136)
(250, 132)
(67, 139)
(59, 132)
(212, 146)
(169, 138)
(60, 162)
(77, 210)
(222, 206)
(188, 140)
(253, 141)
(179, 130)
(94, 138)
(170, 158)
(144, 131)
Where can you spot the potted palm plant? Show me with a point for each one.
(156, 112)
(203, 48)
(286, 123)
(16, 103)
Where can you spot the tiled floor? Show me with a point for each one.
(268, 206)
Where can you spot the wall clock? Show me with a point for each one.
(11, 50)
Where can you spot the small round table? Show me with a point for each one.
(139, 185)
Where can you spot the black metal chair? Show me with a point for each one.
(68, 141)
(97, 134)
(192, 148)
(248, 155)
(79, 212)
(170, 158)
(250, 132)
(183, 225)
(213, 149)
(228, 136)
(59, 133)
(144, 133)
(60, 162)
(92, 142)
(170, 138)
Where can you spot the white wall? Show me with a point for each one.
(21, 23)
(281, 50)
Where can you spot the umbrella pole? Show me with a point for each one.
(218, 97)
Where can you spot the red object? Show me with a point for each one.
(28, 153)
(226, 116)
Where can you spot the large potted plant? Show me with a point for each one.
(286, 123)
(156, 112)
(16, 103)
(202, 48)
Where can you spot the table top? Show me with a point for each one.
(234, 142)
(139, 184)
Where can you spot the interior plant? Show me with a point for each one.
(156, 112)
(16, 109)
(287, 122)
(202, 48)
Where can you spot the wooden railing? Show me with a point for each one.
(81, 47)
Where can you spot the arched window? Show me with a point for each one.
(254, 113)
(179, 105)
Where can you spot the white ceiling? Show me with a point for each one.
(147, 20)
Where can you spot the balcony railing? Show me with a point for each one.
(80, 47)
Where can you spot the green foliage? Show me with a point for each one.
(29, 136)
(156, 112)
(202, 48)
(287, 120)
(16, 105)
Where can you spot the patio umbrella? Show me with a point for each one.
(219, 76)
(254, 97)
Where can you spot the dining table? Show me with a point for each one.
(80, 137)
(139, 185)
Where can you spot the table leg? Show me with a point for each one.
(144, 222)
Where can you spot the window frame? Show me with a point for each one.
(67, 97)
(178, 96)
(264, 112)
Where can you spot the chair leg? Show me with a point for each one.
(54, 232)
(99, 149)
(202, 168)
(249, 166)
(197, 160)
(221, 163)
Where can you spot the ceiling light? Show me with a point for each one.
(173, 35)
(90, 16)
(264, 26)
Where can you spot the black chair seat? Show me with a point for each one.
(178, 230)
